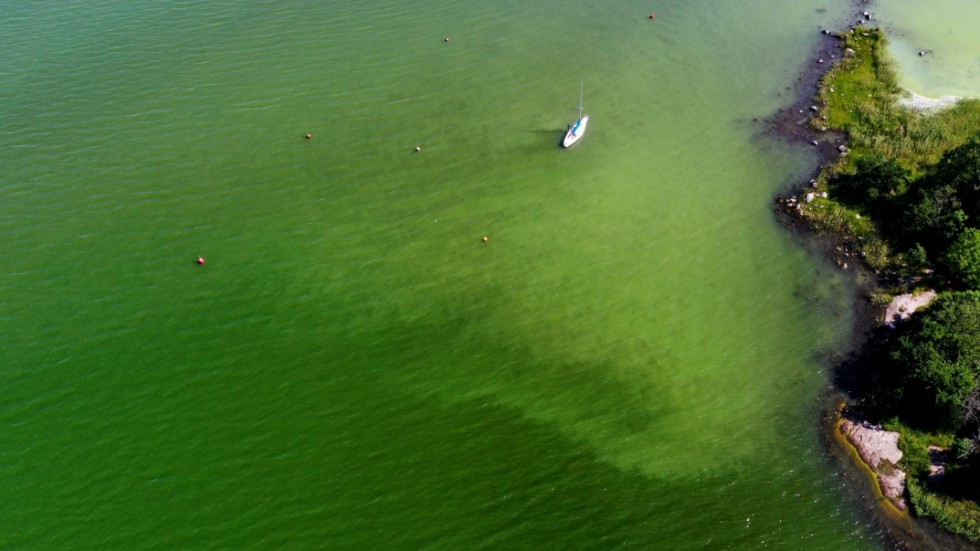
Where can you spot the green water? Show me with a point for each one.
(633, 359)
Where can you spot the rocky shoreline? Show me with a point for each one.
(792, 124)
(879, 450)
(849, 84)
(869, 444)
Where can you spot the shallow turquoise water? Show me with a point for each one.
(946, 31)
(634, 358)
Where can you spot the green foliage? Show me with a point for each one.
(963, 258)
(947, 200)
(859, 96)
(914, 444)
(925, 214)
(959, 517)
(888, 172)
(917, 175)
(915, 450)
(962, 447)
(960, 170)
(877, 251)
(935, 214)
(859, 82)
(880, 299)
(937, 360)
(875, 184)
(916, 257)
(828, 216)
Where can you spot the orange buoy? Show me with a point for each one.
(200, 260)
(652, 16)
(308, 135)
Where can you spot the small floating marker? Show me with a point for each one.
(445, 39)
(418, 148)
(652, 16)
(485, 239)
(309, 136)
(200, 260)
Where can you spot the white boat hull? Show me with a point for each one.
(576, 132)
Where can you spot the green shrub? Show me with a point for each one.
(963, 258)
(916, 257)
(915, 448)
(959, 517)
(936, 359)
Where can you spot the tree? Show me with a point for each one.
(948, 199)
(960, 169)
(937, 360)
(963, 258)
(935, 214)
(876, 185)
(916, 257)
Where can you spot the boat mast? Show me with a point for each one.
(581, 90)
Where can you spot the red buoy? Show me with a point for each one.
(200, 260)
(652, 16)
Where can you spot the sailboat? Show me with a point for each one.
(577, 130)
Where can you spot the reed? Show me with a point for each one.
(959, 517)
(859, 97)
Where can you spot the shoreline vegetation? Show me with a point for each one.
(900, 196)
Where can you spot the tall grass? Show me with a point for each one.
(959, 517)
(860, 97)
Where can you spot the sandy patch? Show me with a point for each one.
(922, 103)
(902, 306)
(937, 462)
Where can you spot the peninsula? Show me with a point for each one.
(900, 196)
